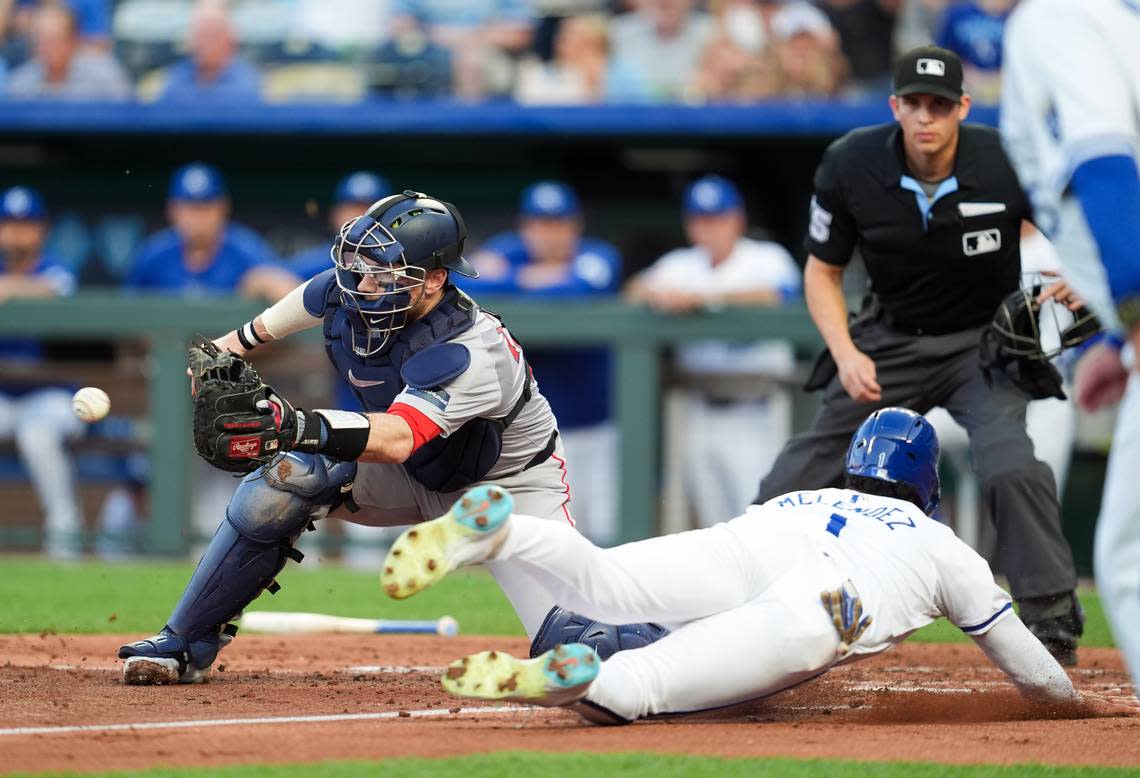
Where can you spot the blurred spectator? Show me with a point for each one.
(917, 23)
(738, 62)
(481, 35)
(662, 41)
(581, 71)
(973, 30)
(866, 33)
(92, 20)
(723, 267)
(548, 257)
(60, 68)
(352, 196)
(214, 69)
(125, 512)
(202, 253)
(807, 52)
(38, 417)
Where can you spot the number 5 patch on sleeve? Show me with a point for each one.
(820, 225)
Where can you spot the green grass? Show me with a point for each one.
(91, 597)
(528, 765)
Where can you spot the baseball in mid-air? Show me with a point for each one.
(90, 403)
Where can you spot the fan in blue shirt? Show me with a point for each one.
(214, 70)
(202, 253)
(548, 257)
(352, 196)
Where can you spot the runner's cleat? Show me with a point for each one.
(561, 676)
(467, 534)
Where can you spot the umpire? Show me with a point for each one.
(935, 209)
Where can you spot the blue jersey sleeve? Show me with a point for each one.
(1109, 192)
(317, 292)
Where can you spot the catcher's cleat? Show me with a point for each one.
(167, 658)
(467, 534)
(561, 676)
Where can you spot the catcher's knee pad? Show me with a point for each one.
(267, 513)
(278, 500)
(563, 626)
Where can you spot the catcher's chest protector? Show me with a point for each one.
(444, 464)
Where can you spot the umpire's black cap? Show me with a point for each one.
(929, 70)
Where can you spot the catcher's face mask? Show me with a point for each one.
(378, 287)
(1030, 330)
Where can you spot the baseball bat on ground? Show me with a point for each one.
(298, 623)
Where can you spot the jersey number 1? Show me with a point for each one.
(836, 525)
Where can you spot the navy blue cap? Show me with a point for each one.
(361, 187)
(22, 203)
(710, 195)
(197, 182)
(549, 200)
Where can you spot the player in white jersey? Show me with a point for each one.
(1071, 121)
(791, 588)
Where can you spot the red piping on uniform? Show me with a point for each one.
(562, 464)
(423, 428)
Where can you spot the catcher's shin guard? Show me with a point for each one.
(563, 627)
(267, 513)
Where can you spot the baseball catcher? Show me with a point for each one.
(449, 403)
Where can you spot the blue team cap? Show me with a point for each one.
(361, 187)
(197, 182)
(549, 200)
(22, 203)
(711, 195)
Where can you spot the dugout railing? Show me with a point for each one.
(639, 338)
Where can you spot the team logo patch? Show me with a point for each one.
(245, 447)
(437, 397)
(931, 67)
(981, 242)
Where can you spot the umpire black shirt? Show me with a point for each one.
(937, 264)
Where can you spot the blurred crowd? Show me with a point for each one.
(549, 253)
(560, 52)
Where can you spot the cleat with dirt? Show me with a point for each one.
(559, 677)
(467, 534)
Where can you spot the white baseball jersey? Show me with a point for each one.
(1071, 93)
(908, 568)
(753, 264)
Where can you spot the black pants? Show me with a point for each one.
(920, 373)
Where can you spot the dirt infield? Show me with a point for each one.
(364, 697)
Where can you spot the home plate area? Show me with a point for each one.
(315, 698)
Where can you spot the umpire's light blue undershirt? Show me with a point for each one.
(926, 202)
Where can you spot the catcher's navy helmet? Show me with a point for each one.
(898, 446)
(393, 245)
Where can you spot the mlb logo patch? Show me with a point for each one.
(931, 67)
(981, 242)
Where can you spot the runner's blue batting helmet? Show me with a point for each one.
(898, 446)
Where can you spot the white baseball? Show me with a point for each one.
(90, 403)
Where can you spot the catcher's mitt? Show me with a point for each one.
(1012, 344)
(239, 422)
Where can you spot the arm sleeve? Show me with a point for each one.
(831, 227)
(289, 314)
(1109, 192)
(1022, 657)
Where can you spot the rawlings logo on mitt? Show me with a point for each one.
(239, 421)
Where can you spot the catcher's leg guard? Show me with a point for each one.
(564, 627)
(266, 515)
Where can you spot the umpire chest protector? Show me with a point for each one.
(420, 356)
